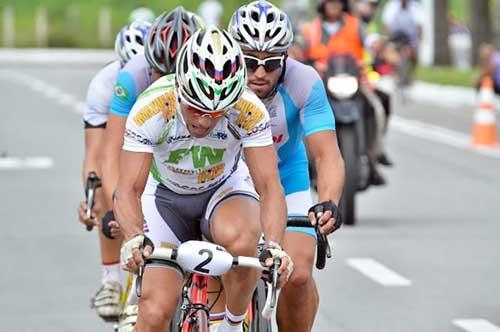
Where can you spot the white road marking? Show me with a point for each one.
(378, 272)
(46, 89)
(13, 163)
(476, 325)
(441, 135)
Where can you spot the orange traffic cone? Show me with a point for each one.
(484, 129)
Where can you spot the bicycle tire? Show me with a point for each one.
(259, 323)
(201, 322)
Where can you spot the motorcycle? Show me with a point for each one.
(355, 126)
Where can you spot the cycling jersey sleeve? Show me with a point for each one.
(125, 94)
(317, 115)
(253, 121)
(142, 124)
(99, 95)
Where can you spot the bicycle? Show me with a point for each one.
(201, 260)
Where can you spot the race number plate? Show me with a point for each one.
(204, 258)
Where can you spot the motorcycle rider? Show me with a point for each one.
(335, 31)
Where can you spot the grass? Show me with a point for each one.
(73, 23)
(447, 75)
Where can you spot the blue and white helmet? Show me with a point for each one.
(261, 26)
(131, 39)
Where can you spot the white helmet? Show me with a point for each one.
(130, 40)
(210, 72)
(261, 26)
(143, 14)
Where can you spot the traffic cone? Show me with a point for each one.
(484, 128)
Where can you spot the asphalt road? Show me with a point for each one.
(425, 255)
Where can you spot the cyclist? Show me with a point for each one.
(300, 112)
(167, 34)
(191, 129)
(129, 41)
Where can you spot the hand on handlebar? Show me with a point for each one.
(82, 214)
(273, 250)
(329, 217)
(134, 251)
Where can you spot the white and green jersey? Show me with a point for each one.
(188, 165)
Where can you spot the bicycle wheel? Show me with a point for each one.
(200, 322)
(259, 323)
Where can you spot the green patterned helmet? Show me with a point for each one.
(210, 72)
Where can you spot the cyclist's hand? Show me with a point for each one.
(115, 229)
(272, 250)
(82, 214)
(330, 219)
(134, 251)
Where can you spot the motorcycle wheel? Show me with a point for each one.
(349, 147)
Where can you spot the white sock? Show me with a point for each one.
(231, 322)
(110, 273)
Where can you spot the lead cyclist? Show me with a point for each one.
(129, 42)
(300, 113)
(188, 131)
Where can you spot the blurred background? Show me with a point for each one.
(424, 254)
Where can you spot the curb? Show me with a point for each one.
(445, 95)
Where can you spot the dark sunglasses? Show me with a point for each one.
(270, 64)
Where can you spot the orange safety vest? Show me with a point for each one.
(345, 41)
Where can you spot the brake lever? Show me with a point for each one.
(276, 266)
(322, 237)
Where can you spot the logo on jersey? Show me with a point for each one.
(120, 91)
(136, 137)
(250, 115)
(165, 104)
(211, 173)
(200, 154)
(278, 139)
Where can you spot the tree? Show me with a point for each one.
(441, 49)
(480, 24)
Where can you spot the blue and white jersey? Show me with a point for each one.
(299, 108)
(100, 94)
(133, 79)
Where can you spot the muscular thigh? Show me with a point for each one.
(233, 212)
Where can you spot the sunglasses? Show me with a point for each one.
(270, 64)
(211, 115)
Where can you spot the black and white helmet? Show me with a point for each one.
(211, 73)
(166, 37)
(130, 40)
(261, 26)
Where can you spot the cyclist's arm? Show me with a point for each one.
(111, 155)
(131, 183)
(93, 152)
(263, 165)
(324, 151)
(321, 141)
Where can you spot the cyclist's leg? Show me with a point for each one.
(166, 225)
(107, 299)
(298, 301)
(233, 221)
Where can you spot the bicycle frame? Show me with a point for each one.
(198, 298)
